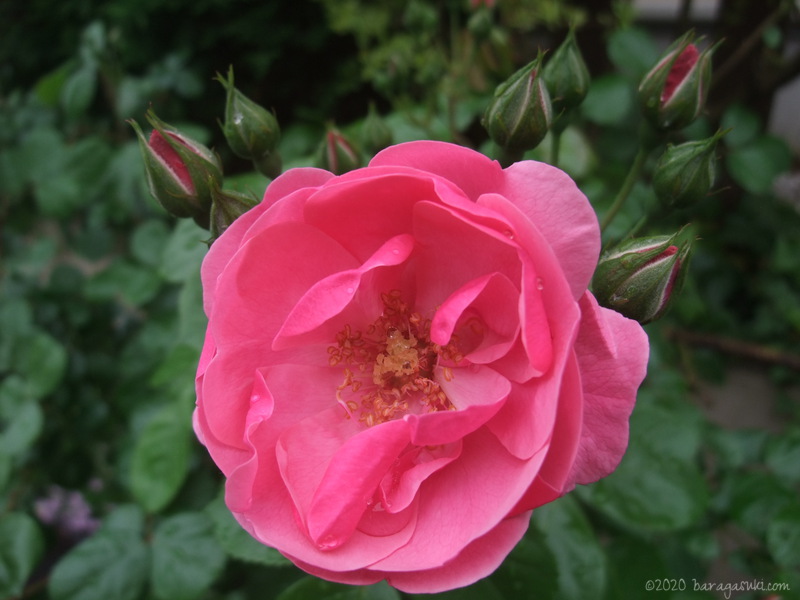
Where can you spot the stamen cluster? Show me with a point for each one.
(390, 366)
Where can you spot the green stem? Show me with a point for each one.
(555, 146)
(626, 188)
(509, 157)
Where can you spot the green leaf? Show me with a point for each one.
(21, 417)
(186, 557)
(161, 458)
(744, 125)
(310, 588)
(237, 542)
(756, 165)
(137, 285)
(632, 51)
(530, 566)
(610, 100)
(570, 537)
(783, 456)
(483, 589)
(148, 242)
(755, 498)
(184, 252)
(48, 88)
(110, 564)
(21, 546)
(658, 485)
(41, 361)
(783, 537)
(78, 91)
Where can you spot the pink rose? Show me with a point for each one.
(403, 361)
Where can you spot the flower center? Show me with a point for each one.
(389, 368)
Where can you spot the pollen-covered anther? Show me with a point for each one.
(390, 368)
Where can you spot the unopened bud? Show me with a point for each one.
(685, 173)
(250, 130)
(673, 93)
(520, 112)
(567, 76)
(641, 277)
(178, 170)
(226, 207)
(337, 154)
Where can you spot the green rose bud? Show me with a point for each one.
(250, 130)
(673, 93)
(226, 207)
(178, 170)
(337, 154)
(640, 278)
(685, 173)
(520, 113)
(567, 76)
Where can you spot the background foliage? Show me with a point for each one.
(104, 491)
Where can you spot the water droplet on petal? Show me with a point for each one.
(539, 283)
(329, 542)
(509, 234)
(395, 251)
(350, 290)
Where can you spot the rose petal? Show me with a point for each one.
(329, 296)
(550, 200)
(351, 479)
(612, 354)
(471, 171)
(491, 302)
(400, 485)
(552, 479)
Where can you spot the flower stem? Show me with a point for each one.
(626, 188)
(555, 146)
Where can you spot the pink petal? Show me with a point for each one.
(492, 302)
(329, 296)
(476, 561)
(452, 251)
(462, 502)
(553, 477)
(470, 171)
(612, 354)
(559, 210)
(223, 249)
(400, 485)
(351, 479)
(476, 391)
(384, 201)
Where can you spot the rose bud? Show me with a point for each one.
(375, 133)
(520, 113)
(226, 207)
(250, 130)
(178, 170)
(566, 76)
(337, 153)
(685, 173)
(674, 92)
(641, 277)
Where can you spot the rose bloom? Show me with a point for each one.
(402, 362)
